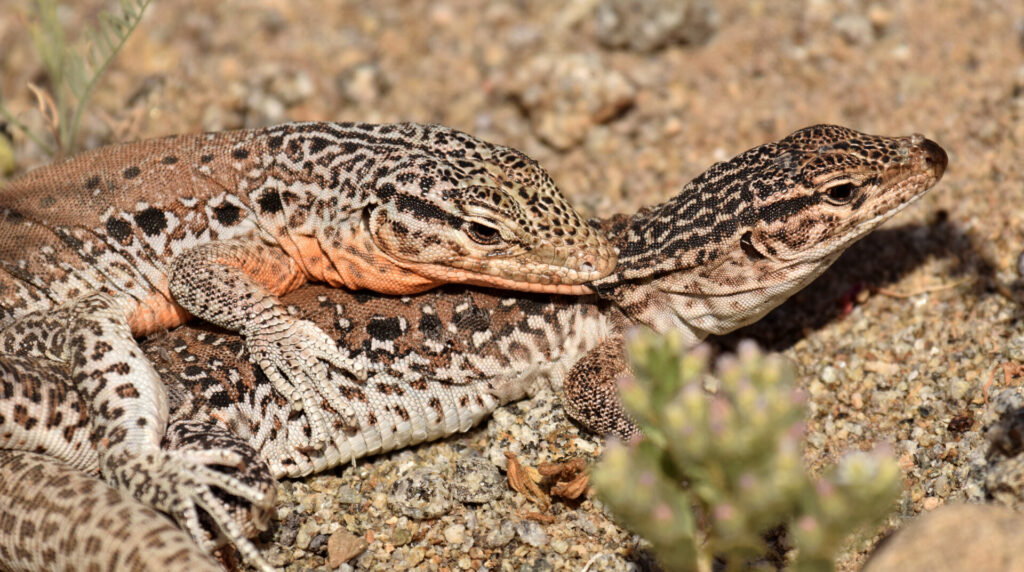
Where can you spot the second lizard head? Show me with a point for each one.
(748, 233)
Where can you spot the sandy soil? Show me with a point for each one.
(893, 343)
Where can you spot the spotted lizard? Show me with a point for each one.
(734, 243)
(132, 239)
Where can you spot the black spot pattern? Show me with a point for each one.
(118, 229)
(384, 328)
(430, 326)
(227, 214)
(152, 221)
(270, 203)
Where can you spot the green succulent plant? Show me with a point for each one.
(721, 463)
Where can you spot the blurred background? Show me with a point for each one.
(623, 101)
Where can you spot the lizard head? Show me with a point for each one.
(472, 212)
(748, 233)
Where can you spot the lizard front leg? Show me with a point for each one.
(91, 342)
(590, 391)
(235, 284)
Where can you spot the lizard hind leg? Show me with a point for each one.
(127, 408)
(58, 518)
(235, 476)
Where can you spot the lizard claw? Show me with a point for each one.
(293, 357)
(189, 478)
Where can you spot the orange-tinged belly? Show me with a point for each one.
(155, 313)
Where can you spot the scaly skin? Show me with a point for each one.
(132, 239)
(220, 225)
(737, 241)
(58, 518)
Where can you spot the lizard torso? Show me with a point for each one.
(438, 363)
(384, 207)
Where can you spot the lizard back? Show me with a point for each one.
(110, 219)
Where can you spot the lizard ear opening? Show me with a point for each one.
(747, 244)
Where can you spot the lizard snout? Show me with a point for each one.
(935, 156)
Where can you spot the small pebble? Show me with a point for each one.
(343, 546)
(347, 495)
(318, 544)
(415, 556)
(829, 375)
(289, 529)
(477, 480)
(531, 533)
(455, 534)
(421, 494)
(402, 534)
(500, 535)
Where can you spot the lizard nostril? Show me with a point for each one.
(587, 267)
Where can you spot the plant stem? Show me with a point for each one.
(80, 104)
(24, 129)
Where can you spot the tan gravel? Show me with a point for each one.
(895, 343)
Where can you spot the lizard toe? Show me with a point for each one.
(224, 492)
(295, 358)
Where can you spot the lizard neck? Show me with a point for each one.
(345, 256)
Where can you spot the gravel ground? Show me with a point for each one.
(623, 104)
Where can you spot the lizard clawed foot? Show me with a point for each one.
(292, 355)
(209, 480)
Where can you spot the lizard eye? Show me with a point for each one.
(482, 233)
(841, 194)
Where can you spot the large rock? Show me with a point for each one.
(955, 537)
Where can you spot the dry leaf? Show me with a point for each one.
(525, 480)
(48, 109)
(573, 489)
(563, 471)
(538, 517)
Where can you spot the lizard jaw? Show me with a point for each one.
(443, 274)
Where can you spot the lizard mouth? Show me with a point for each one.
(542, 285)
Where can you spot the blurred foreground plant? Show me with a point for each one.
(717, 471)
(71, 75)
